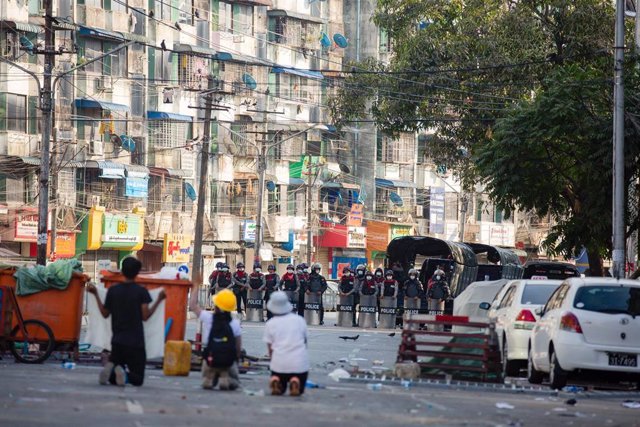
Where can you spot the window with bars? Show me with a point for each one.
(192, 72)
(162, 10)
(396, 150)
(243, 197)
(14, 107)
(165, 194)
(167, 134)
(273, 201)
(186, 12)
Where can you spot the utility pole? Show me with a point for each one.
(618, 252)
(202, 190)
(262, 168)
(47, 107)
(309, 214)
(464, 203)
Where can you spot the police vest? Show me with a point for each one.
(411, 289)
(289, 284)
(223, 279)
(346, 285)
(368, 288)
(389, 288)
(255, 281)
(315, 283)
(272, 281)
(304, 282)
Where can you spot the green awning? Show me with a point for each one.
(181, 47)
(136, 38)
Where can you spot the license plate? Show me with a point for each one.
(623, 359)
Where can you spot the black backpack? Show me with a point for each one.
(221, 347)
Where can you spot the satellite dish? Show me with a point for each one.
(340, 40)
(249, 81)
(396, 199)
(344, 168)
(325, 41)
(128, 143)
(191, 192)
(271, 186)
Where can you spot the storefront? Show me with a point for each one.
(340, 246)
(379, 234)
(108, 237)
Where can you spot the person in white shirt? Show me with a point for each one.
(286, 337)
(227, 376)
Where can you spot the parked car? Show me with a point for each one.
(513, 312)
(588, 324)
(330, 297)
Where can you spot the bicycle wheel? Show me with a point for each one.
(36, 347)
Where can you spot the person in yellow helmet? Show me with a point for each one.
(222, 341)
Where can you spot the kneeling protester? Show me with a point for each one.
(286, 337)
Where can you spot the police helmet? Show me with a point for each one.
(239, 265)
(346, 269)
(316, 266)
(219, 265)
(271, 267)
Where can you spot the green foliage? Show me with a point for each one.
(523, 86)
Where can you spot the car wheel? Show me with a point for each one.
(557, 375)
(510, 368)
(533, 375)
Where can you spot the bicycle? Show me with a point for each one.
(30, 341)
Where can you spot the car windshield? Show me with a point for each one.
(609, 299)
(537, 294)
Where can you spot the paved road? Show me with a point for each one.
(49, 395)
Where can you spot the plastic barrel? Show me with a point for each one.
(368, 308)
(345, 311)
(387, 319)
(312, 309)
(255, 306)
(293, 299)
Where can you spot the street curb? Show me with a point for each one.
(488, 387)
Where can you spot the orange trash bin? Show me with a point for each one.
(60, 309)
(175, 305)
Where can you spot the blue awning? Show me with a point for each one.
(99, 33)
(137, 171)
(236, 57)
(390, 183)
(110, 170)
(302, 73)
(189, 48)
(296, 181)
(102, 105)
(161, 115)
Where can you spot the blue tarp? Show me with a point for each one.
(102, 105)
(302, 73)
(160, 115)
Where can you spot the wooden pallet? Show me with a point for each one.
(428, 340)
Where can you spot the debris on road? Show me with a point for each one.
(573, 389)
(311, 384)
(504, 405)
(631, 404)
(339, 373)
(378, 362)
(353, 338)
(571, 402)
(258, 393)
(392, 334)
(374, 387)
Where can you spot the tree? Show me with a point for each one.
(522, 86)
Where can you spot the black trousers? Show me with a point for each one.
(132, 359)
(301, 303)
(267, 295)
(241, 297)
(285, 378)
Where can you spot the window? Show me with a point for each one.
(16, 112)
(167, 134)
(400, 150)
(186, 12)
(242, 22)
(240, 138)
(508, 297)
(92, 49)
(118, 6)
(137, 95)
(384, 41)
(192, 72)
(291, 200)
(451, 206)
(94, 3)
(116, 63)
(139, 21)
(165, 193)
(163, 10)
(537, 294)
(162, 65)
(273, 202)
(243, 197)
(609, 299)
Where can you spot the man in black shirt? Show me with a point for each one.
(128, 305)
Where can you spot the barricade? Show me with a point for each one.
(469, 353)
(312, 308)
(368, 308)
(345, 311)
(387, 316)
(255, 306)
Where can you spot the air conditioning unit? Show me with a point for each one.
(104, 83)
(96, 148)
(419, 211)
(325, 207)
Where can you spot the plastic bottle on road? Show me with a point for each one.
(68, 365)
(374, 387)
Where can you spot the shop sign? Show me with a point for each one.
(26, 228)
(65, 244)
(400, 231)
(121, 230)
(176, 248)
(356, 237)
(436, 211)
(249, 232)
(136, 187)
(354, 218)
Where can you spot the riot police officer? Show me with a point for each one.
(224, 280)
(213, 276)
(257, 281)
(289, 284)
(302, 272)
(348, 287)
(438, 292)
(240, 286)
(271, 285)
(412, 290)
(317, 285)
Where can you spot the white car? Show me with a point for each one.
(588, 325)
(514, 313)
